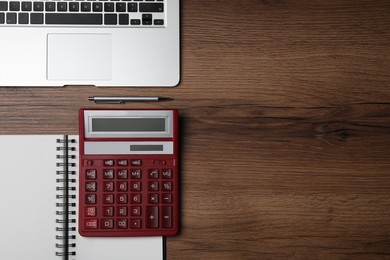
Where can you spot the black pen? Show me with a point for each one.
(118, 99)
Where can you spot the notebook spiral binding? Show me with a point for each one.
(66, 198)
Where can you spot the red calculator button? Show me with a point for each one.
(91, 223)
(136, 174)
(108, 162)
(135, 162)
(153, 198)
(121, 174)
(135, 223)
(153, 173)
(108, 198)
(90, 199)
(166, 173)
(167, 186)
(136, 198)
(166, 198)
(166, 217)
(135, 211)
(108, 186)
(152, 217)
(90, 211)
(90, 186)
(122, 198)
(108, 211)
(122, 211)
(108, 174)
(122, 162)
(122, 186)
(121, 223)
(107, 223)
(136, 186)
(90, 174)
(153, 185)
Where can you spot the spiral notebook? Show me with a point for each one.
(38, 198)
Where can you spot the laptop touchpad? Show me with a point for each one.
(79, 57)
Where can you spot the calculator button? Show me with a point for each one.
(136, 186)
(90, 186)
(122, 186)
(107, 223)
(90, 199)
(136, 174)
(90, 174)
(108, 198)
(135, 223)
(152, 217)
(152, 185)
(108, 162)
(121, 211)
(121, 223)
(135, 211)
(108, 174)
(122, 198)
(122, 162)
(121, 174)
(166, 198)
(166, 213)
(108, 186)
(90, 211)
(167, 186)
(153, 198)
(166, 174)
(136, 198)
(91, 223)
(108, 211)
(153, 173)
(135, 162)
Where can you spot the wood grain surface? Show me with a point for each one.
(285, 128)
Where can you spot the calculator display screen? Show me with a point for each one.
(128, 124)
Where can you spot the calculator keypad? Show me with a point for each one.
(125, 197)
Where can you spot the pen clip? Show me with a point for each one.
(109, 101)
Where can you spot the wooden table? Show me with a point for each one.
(285, 128)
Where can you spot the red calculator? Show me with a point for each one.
(128, 179)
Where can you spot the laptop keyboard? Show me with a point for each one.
(107, 13)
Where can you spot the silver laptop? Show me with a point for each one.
(89, 42)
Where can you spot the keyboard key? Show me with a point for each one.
(91, 223)
(86, 7)
(121, 223)
(123, 19)
(23, 18)
(151, 7)
(158, 22)
(38, 6)
(26, 6)
(11, 18)
(90, 211)
(108, 211)
(122, 211)
(67, 18)
(121, 7)
(3, 6)
(73, 7)
(36, 18)
(135, 223)
(2, 18)
(108, 7)
(107, 223)
(14, 6)
(62, 6)
(50, 6)
(97, 7)
(135, 22)
(146, 19)
(132, 7)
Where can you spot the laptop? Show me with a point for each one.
(105, 43)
